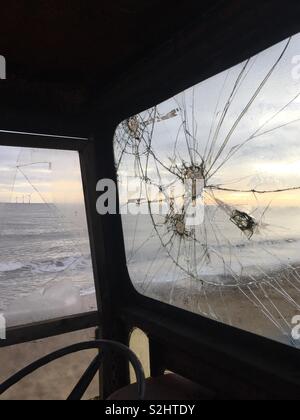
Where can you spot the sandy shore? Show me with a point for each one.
(53, 382)
(265, 308)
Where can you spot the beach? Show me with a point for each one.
(267, 314)
(52, 382)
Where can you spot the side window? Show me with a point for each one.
(45, 259)
(209, 187)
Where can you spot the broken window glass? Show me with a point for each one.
(209, 187)
(45, 258)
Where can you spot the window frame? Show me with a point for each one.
(76, 322)
(140, 110)
(231, 361)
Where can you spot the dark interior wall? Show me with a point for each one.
(62, 54)
(76, 41)
(69, 73)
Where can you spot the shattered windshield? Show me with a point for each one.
(209, 186)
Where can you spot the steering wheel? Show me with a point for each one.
(88, 376)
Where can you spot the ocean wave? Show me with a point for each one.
(10, 266)
(54, 265)
(256, 243)
(88, 292)
(57, 265)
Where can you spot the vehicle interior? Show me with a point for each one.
(93, 91)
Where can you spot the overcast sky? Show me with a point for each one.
(268, 162)
(39, 176)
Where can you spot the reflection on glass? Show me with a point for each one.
(210, 192)
(45, 259)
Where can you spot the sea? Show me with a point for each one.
(45, 261)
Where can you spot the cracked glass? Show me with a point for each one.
(209, 185)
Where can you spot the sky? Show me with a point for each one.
(39, 176)
(269, 161)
